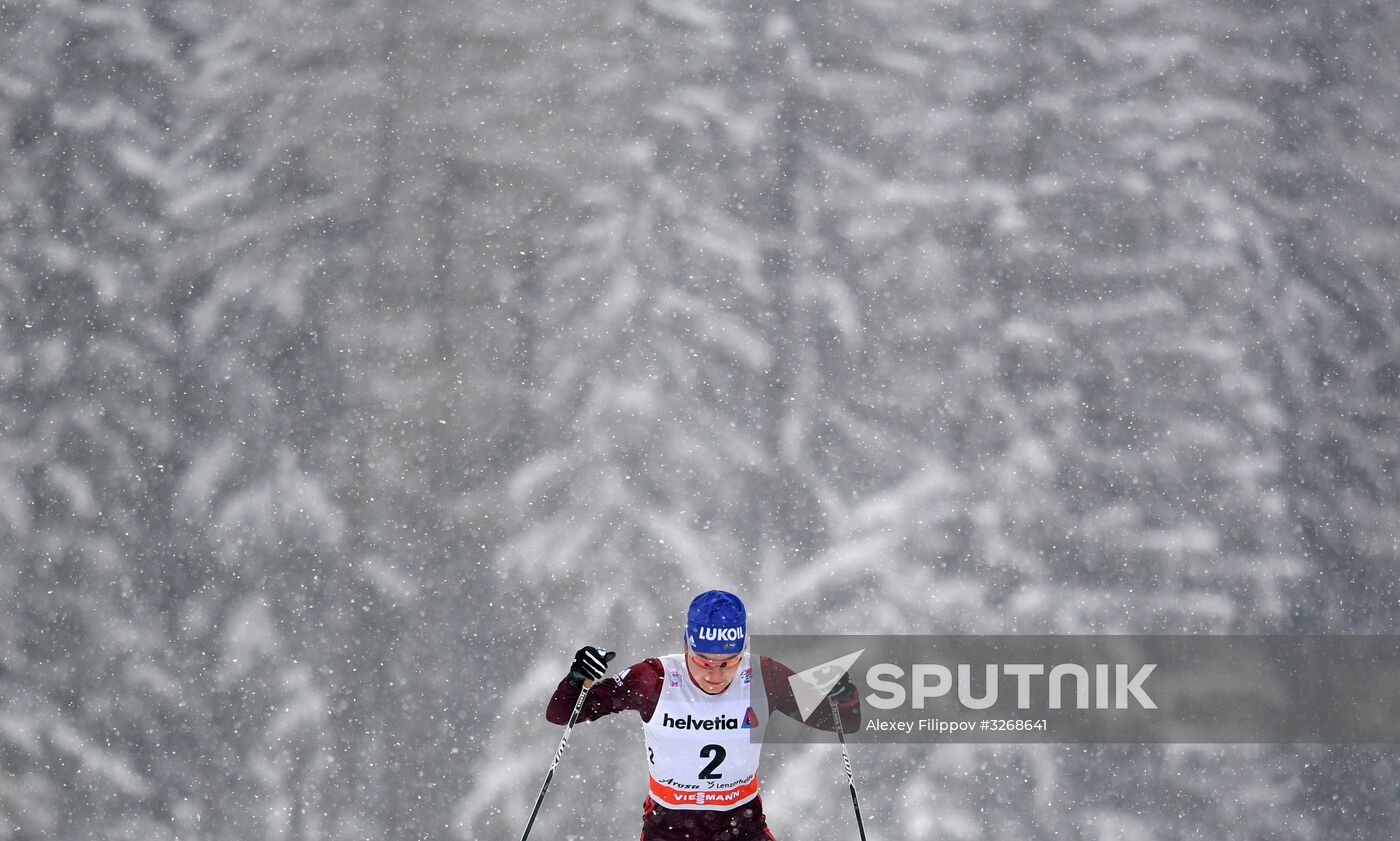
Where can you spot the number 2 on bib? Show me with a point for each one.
(717, 754)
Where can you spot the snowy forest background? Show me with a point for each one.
(360, 360)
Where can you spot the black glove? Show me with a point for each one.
(843, 689)
(590, 663)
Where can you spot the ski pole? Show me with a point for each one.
(563, 743)
(846, 755)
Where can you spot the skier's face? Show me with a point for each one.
(712, 674)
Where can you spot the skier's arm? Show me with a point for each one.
(780, 698)
(636, 687)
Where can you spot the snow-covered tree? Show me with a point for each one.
(164, 306)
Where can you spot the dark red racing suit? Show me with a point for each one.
(639, 690)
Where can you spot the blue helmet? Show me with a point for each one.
(716, 623)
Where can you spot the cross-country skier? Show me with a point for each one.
(698, 711)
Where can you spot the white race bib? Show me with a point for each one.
(699, 751)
